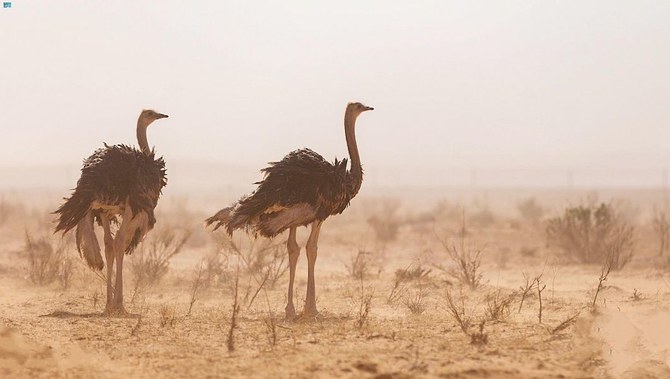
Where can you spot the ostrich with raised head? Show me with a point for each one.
(301, 189)
(116, 180)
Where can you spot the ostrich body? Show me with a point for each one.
(301, 189)
(116, 180)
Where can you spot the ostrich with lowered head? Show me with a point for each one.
(116, 180)
(301, 189)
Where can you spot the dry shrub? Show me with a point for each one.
(498, 306)
(637, 295)
(397, 291)
(530, 210)
(604, 273)
(167, 316)
(416, 301)
(48, 261)
(528, 252)
(230, 339)
(483, 217)
(466, 319)
(565, 323)
(262, 259)
(466, 259)
(271, 330)
(152, 260)
(364, 304)
(412, 272)
(661, 225)
(197, 283)
(385, 223)
(590, 234)
(6, 210)
(360, 265)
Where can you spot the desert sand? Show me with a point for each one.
(383, 290)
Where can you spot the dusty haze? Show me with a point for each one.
(520, 93)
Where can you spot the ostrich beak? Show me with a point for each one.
(160, 115)
(369, 108)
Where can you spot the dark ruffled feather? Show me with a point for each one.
(110, 176)
(303, 176)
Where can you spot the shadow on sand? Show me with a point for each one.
(66, 314)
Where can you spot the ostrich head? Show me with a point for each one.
(149, 115)
(356, 109)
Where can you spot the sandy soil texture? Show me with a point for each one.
(384, 287)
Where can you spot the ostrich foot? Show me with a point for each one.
(310, 311)
(116, 311)
(290, 312)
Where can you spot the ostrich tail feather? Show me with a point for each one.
(221, 218)
(87, 242)
(73, 211)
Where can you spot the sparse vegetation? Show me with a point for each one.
(230, 340)
(565, 324)
(525, 289)
(47, 261)
(604, 273)
(590, 234)
(360, 265)
(498, 306)
(168, 316)
(385, 222)
(661, 225)
(530, 210)
(197, 282)
(466, 259)
(415, 271)
(540, 287)
(637, 295)
(465, 320)
(152, 260)
(364, 304)
(415, 301)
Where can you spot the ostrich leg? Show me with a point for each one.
(293, 254)
(109, 258)
(129, 227)
(310, 301)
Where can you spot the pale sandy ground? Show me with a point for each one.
(49, 332)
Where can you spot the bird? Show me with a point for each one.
(117, 180)
(300, 190)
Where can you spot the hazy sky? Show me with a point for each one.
(455, 84)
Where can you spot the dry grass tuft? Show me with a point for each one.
(168, 316)
(637, 295)
(466, 259)
(498, 307)
(416, 301)
(360, 265)
(150, 264)
(48, 261)
(412, 272)
(465, 320)
(364, 304)
(565, 324)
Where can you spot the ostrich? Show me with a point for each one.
(115, 181)
(301, 189)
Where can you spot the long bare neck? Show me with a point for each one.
(142, 135)
(356, 172)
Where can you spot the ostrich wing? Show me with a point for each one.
(303, 176)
